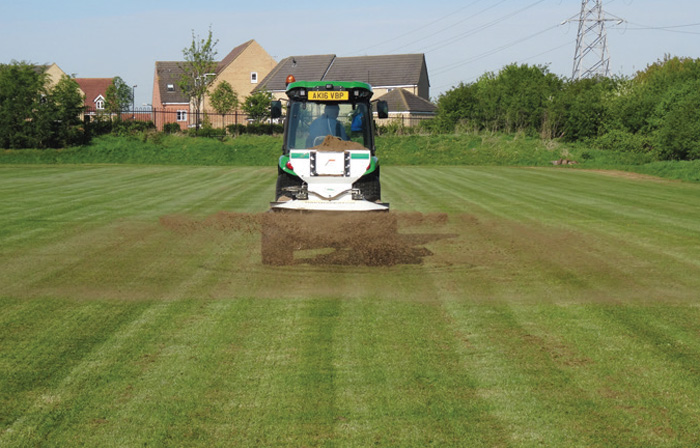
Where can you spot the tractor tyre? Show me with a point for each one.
(370, 187)
(286, 180)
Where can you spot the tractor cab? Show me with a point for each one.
(320, 109)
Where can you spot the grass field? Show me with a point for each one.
(535, 307)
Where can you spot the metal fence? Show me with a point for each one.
(404, 120)
(183, 118)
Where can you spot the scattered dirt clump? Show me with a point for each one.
(564, 162)
(369, 238)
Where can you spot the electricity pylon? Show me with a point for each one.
(592, 57)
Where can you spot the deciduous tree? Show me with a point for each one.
(257, 105)
(198, 70)
(223, 99)
(118, 97)
(22, 89)
(33, 115)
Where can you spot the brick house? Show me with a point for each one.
(94, 91)
(383, 73)
(170, 103)
(243, 68)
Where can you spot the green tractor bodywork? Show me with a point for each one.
(328, 159)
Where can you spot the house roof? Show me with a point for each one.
(168, 74)
(232, 56)
(93, 88)
(389, 70)
(378, 71)
(401, 100)
(306, 68)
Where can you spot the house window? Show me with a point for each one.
(100, 104)
(181, 115)
(171, 87)
(253, 77)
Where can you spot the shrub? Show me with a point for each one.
(678, 135)
(236, 129)
(207, 132)
(129, 127)
(515, 99)
(620, 140)
(171, 128)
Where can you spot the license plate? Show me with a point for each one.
(329, 96)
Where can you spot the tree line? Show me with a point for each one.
(657, 111)
(34, 113)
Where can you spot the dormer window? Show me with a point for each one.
(253, 77)
(171, 87)
(100, 103)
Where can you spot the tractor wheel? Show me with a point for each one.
(370, 187)
(286, 180)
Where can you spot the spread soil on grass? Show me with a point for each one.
(326, 238)
(396, 256)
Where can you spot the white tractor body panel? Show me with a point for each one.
(329, 176)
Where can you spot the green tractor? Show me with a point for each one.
(328, 159)
(328, 189)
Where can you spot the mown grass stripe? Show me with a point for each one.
(103, 198)
(394, 377)
(548, 385)
(62, 336)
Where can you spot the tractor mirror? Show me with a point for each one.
(383, 109)
(276, 109)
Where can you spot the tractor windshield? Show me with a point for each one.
(310, 122)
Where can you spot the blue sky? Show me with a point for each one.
(461, 39)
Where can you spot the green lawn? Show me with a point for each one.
(538, 307)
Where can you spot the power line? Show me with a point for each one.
(421, 28)
(671, 29)
(558, 47)
(449, 67)
(478, 29)
(451, 26)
